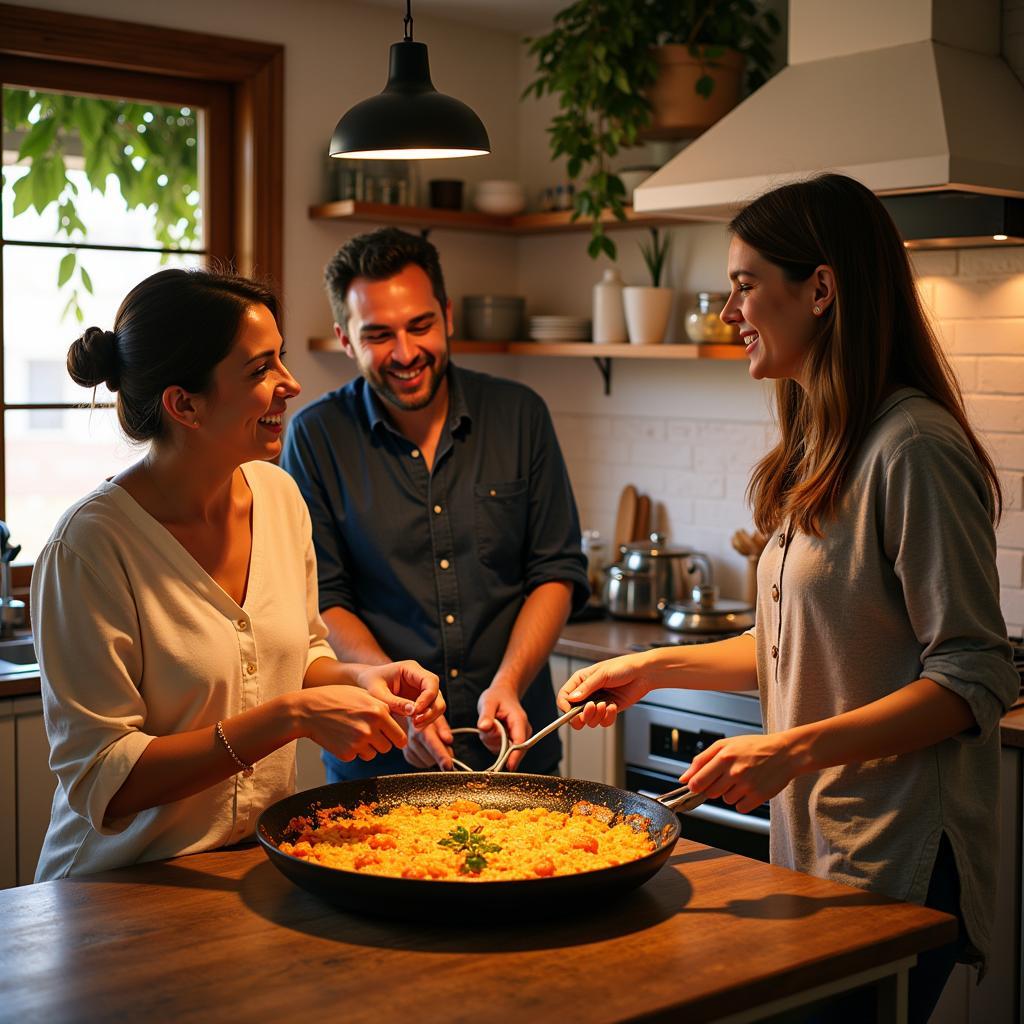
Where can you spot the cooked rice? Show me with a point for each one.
(404, 842)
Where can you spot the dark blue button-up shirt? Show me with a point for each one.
(437, 562)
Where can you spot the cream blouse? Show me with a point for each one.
(136, 640)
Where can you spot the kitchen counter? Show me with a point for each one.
(224, 935)
(608, 638)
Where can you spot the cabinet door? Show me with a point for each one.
(560, 673)
(8, 842)
(36, 784)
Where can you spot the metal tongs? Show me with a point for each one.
(680, 799)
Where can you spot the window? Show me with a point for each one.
(132, 170)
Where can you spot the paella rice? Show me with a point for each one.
(466, 841)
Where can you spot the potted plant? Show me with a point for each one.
(600, 60)
(648, 307)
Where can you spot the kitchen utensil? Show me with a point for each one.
(750, 546)
(625, 517)
(424, 898)
(501, 198)
(506, 749)
(493, 317)
(650, 576)
(642, 525)
(706, 612)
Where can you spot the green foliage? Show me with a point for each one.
(136, 142)
(474, 844)
(655, 253)
(598, 61)
(710, 27)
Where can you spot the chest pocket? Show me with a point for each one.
(500, 513)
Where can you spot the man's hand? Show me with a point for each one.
(430, 745)
(407, 688)
(501, 702)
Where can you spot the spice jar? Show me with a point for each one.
(703, 324)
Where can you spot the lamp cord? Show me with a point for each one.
(407, 21)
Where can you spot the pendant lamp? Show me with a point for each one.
(410, 119)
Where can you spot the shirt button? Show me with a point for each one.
(437, 510)
(493, 493)
(782, 540)
(454, 673)
(251, 668)
(775, 592)
(775, 651)
(444, 563)
(243, 625)
(415, 453)
(449, 619)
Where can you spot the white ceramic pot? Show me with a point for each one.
(647, 313)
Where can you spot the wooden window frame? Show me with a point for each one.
(251, 102)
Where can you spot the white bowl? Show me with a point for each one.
(500, 204)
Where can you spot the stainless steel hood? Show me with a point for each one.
(910, 97)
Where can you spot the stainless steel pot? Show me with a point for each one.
(651, 576)
(706, 612)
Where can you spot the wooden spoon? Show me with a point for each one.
(625, 518)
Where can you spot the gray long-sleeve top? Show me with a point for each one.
(902, 586)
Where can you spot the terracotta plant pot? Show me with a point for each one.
(680, 112)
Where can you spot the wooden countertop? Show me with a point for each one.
(224, 935)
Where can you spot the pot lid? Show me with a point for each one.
(656, 547)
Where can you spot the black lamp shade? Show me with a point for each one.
(410, 119)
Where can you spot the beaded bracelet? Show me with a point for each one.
(246, 769)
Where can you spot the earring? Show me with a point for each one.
(817, 310)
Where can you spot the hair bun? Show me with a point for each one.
(93, 359)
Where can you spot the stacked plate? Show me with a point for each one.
(559, 328)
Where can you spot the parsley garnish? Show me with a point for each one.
(473, 844)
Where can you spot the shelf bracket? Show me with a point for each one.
(604, 364)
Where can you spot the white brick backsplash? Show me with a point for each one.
(995, 262)
(1007, 450)
(1010, 531)
(966, 371)
(934, 264)
(989, 337)
(1011, 568)
(1013, 489)
(694, 485)
(996, 412)
(680, 430)
(660, 453)
(638, 428)
(963, 298)
(733, 459)
(1012, 603)
(606, 451)
(736, 486)
(677, 515)
(1000, 375)
(721, 514)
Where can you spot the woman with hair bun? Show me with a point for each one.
(175, 607)
(880, 650)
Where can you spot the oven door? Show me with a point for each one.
(659, 744)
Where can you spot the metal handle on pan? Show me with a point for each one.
(718, 815)
(506, 749)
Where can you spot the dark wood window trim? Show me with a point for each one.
(250, 105)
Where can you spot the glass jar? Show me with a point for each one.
(703, 324)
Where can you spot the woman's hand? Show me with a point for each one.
(744, 770)
(624, 675)
(430, 746)
(348, 722)
(407, 688)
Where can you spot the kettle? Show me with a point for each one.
(649, 576)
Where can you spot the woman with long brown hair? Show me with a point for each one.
(880, 650)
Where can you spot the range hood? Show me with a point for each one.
(911, 97)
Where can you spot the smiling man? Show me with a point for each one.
(443, 519)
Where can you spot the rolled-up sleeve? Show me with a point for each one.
(553, 552)
(939, 537)
(302, 458)
(92, 707)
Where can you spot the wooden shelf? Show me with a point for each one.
(467, 220)
(572, 349)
